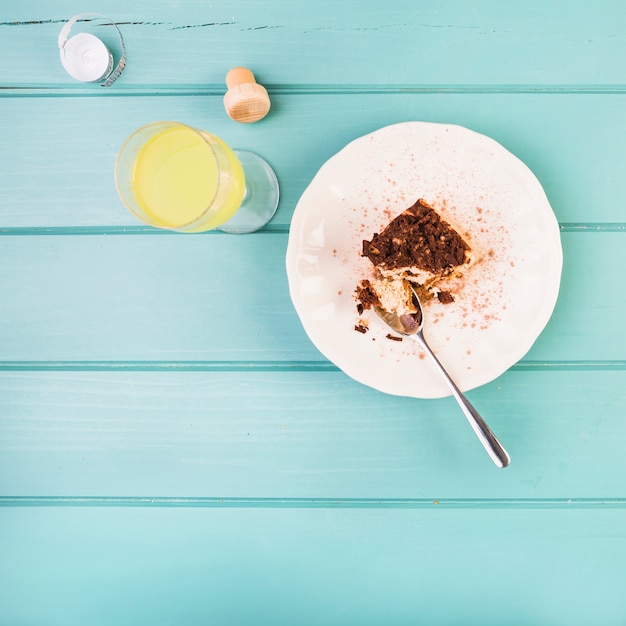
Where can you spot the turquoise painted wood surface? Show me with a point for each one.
(576, 132)
(174, 298)
(315, 566)
(321, 43)
(313, 434)
(156, 467)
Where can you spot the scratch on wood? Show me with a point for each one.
(203, 25)
(356, 28)
(138, 23)
(262, 27)
(447, 26)
(40, 22)
(32, 23)
(385, 26)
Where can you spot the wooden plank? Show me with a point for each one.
(305, 435)
(59, 153)
(183, 298)
(324, 567)
(170, 43)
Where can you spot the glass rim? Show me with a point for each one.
(169, 123)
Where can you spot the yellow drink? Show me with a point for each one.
(180, 178)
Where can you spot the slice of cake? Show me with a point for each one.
(419, 248)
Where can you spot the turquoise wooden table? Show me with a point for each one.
(158, 466)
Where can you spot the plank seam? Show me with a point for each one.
(265, 366)
(64, 90)
(112, 230)
(309, 503)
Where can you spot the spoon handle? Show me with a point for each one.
(490, 442)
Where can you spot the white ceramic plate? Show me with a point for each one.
(501, 305)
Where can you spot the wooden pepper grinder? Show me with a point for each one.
(245, 101)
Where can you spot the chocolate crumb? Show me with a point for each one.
(393, 337)
(360, 328)
(366, 296)
(445, 297)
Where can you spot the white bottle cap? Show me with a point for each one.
(86, 58)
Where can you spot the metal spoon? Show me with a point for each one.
(411, 325)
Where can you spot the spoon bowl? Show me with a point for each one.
(411, 325)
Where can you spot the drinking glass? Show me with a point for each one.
(176, 177)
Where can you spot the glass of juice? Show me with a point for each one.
(176, 177)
